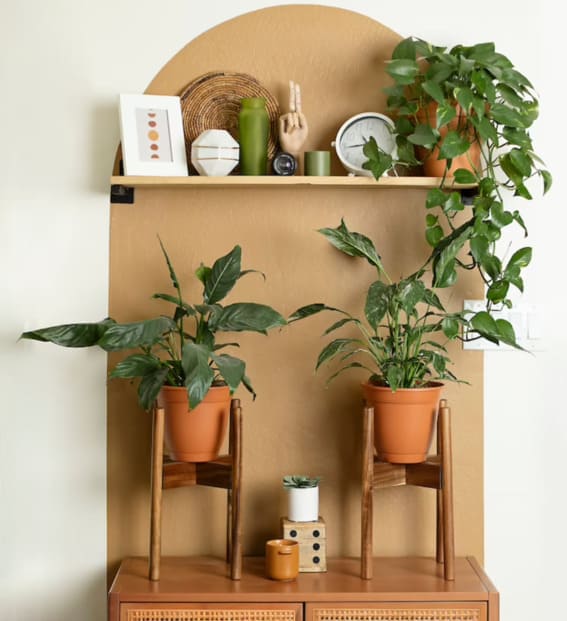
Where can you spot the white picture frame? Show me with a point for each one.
(153, 140)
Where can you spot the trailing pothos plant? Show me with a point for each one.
(181, 349)
(495, 106)
(401, 339)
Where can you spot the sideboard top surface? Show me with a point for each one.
(202, 579)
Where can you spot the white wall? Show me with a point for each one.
(62, 65)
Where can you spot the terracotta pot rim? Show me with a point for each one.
(433, 385)
(175, 388)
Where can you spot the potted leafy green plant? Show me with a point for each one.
(400, 343)
(179, 363)
(303, 497)
(479, 99)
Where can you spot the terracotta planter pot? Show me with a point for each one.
(433, 167)
(403, 421)
(194, 435)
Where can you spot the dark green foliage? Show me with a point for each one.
(171, 354)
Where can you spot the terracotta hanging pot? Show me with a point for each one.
(433, 167)
(194, 435)
(403, 421)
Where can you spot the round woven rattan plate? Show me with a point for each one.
(212, 101)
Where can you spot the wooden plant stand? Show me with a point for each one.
(225, 472)
(435, 472)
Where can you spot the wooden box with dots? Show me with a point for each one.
(312, 538)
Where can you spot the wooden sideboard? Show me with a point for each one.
(402, 589)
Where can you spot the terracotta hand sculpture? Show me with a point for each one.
(293, 128)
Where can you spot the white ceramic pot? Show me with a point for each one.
(303, 504)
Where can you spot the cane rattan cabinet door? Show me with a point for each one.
(211, 612)
(407, 611)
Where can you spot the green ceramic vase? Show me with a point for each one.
(253, 127)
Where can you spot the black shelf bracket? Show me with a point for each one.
(121, 194)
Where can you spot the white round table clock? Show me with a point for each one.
(355, 132)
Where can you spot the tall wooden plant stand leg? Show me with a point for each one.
(224, 472)
(435, 472)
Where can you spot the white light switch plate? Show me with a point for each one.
(528, 322)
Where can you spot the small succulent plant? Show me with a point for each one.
(300, 480)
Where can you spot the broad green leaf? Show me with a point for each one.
(486, 326)
(246, 316)
(411, 294)
(498, 291)
(479, 248)
(431, 219)
(435, 198)
(353, 244)
(378, 161)
(500, 217)
(223, 276)
(519, 137)
(248, 385)
(405, 50)
(547, 180)
(507, 116)
(198, 374)
(431, 299)
(232, 369)
(450, 327)
(434, 235)
(515, 79)
(486, 130)
(307, 311)
(445, 253)
(453, 203)
(511, 171)
(72, 334)
(149, 387)
(453, 144)
(137, 334)
(424, 135)
(483, 82)
(434, 91)
(332, 349)
(506, 332)
(522, 190)
(394, 377)
(464, 96)
(521, 162)
(462, 175)
(403, 70)
(136, 365)
(521, 258)
(445, 114)
(202, 272)
(492, 266)
(376, 303)
(509, 95)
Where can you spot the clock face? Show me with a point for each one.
(354, 134)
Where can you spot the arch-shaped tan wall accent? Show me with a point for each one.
(295, 425)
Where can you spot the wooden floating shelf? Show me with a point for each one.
(271, 181)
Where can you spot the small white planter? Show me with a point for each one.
(303, 504)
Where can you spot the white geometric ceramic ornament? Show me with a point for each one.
(214, 153)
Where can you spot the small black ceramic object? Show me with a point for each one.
(284, 164)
